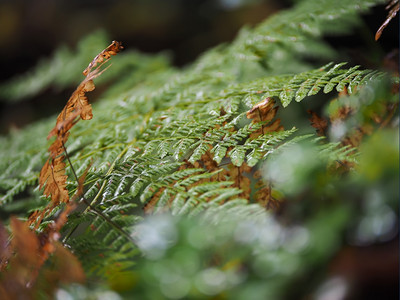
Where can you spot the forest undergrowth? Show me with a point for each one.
(245, 175)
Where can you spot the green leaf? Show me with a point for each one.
(136, 186)
(164, 148)
(303, 90)
(198, 152)
(237, 155)
(148, 192)
(182, 147)
(219, 153)
(254, 156)
(346, 78)
(286, 96)
(321, 81)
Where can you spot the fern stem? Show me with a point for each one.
(77, 180)
(109, 171)
(66, 238)
(105, 218)
(91, 153)
(108, 220)
(69, 161)
(99, 193)
(111, 168)
(89, 205)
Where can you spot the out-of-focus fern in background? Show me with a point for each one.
(222, 203)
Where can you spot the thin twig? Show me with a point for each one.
(93, 209)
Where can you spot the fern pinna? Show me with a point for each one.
(195, 141)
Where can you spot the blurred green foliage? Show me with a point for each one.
(209, 239)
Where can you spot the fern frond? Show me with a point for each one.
(180, 140)
(281, 42)
(308, 83)
(336, 152)
(63, 69)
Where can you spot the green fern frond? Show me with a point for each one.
(64, 69)
(165, 139)
(336, 152)
(308, 83)
(281, 42)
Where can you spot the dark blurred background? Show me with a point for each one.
(31, 30)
